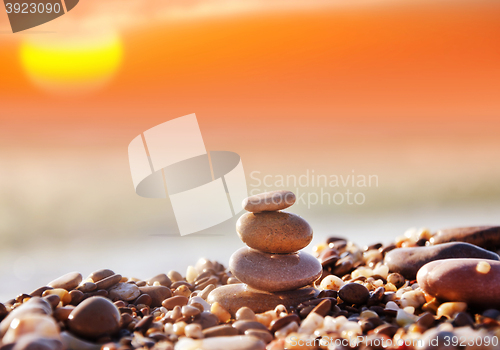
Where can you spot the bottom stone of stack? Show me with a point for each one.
(234, 296)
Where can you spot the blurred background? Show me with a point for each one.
(408, 91)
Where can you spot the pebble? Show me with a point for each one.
(274, 232)
(222, 314)
(35, 305)
(144, 299)
(157, 293)
(407, 261)
(94, 317)
(220, 330)
(269, 201)
(124, 291)
(162, 279)
(460, 280)
(87, 287)
(265, 336)
(233, 297)
(108, 282)
(483, 236)
(354, 293)
(274, 272)
(238, 342)
(243, 326)
(98, 275)
(174, 301)
(245, 314)
(36, 324)
(69, 281)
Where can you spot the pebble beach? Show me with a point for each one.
(425, 290)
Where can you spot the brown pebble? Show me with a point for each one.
(177, 284)
(354, 293)
(108, 282)
(221, 330)
(35, 342)
(274, 272)
(463, 319)
(62, 313)
(206, 319)
(157, 293)
(426, 320)
(144, 299)
(144, 324)
(269, 201)
(161, 278)
(263, 335)
(439, 279)
(87, 287)
(68, 281)
(76, 297)
(174, 276)
(94, 317)
(323, 308)
(386, 329)
(125, 320)
(53, 300)
(174, 301)
(482, 236)
(283, 321)
(242, 326)
(190, 311)
(99, 275)
(274, 232)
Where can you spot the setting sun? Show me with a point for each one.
(70, 65)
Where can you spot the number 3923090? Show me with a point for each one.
(32, 7)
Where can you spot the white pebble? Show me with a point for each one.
(483, 267)
(331, 282)
(191, 274)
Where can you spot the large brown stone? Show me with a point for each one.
(94, 317)
(407, 261)
(274, 232)
(234, 296)
(274, 272)
(473, 281)
(483, 236)
(269, 201)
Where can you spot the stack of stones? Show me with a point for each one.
(272, 268)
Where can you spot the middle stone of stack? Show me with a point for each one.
(272, 261)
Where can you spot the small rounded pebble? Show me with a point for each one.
(245, 314)
(220, 330)
(108, 282)
(331, 282)
(94, 318)
(269, 201)
(354, 293)
(157, 293)
(162, 279)
(69, 281)
(222, 314)
(274, 232)
(174, 301)
(99, 275)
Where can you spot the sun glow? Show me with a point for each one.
(71, 65)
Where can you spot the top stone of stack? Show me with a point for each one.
(269, 201)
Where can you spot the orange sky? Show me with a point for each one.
(393, 64)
